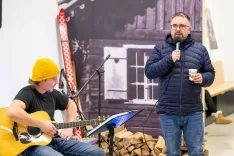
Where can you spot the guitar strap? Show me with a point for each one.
(62, 24)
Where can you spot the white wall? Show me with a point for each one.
(28, 32)
(221, 12)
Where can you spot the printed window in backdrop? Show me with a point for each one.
(124, 75)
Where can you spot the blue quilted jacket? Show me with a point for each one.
(177, 94)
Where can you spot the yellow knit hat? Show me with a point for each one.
(43, 69)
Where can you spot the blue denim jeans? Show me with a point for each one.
(193, 131)
(61, 147)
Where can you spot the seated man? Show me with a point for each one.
(212, 108)
(41, 95)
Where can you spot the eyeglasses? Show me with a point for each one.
(181, 26)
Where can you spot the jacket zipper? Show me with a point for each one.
(181, 76)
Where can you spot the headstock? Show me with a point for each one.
(101, 119)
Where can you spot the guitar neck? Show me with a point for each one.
(75, 124)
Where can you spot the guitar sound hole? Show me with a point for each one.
(34, 131)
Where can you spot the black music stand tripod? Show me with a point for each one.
(113, 122)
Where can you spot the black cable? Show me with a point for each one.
(61, 86)
(79, 109)
(143, 129)
(109, 145)
(62, 74)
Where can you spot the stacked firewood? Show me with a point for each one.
(128, 144)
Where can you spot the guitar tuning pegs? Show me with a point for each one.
(104, 118)
(99, 118)
(108, 116)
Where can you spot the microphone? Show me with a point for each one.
(107, 57)
(178, 39)
(62, 74)
(97, 70)
(177, 45)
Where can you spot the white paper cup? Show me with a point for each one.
(192, 72)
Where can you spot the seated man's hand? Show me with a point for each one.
(66, 133)
(48, 128)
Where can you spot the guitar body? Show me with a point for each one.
(15, 137)
(27, 136)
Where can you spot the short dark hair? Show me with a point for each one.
(181, 14)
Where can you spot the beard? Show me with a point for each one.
(178, 38)
(178, 35)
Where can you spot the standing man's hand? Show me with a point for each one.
(175, 55)
(197, 78)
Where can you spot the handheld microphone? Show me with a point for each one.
(177, 45)
(178, 39)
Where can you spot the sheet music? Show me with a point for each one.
(117, 120)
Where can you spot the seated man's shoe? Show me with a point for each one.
(220, 119)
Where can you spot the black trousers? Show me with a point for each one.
(211, 105)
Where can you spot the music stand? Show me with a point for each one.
(113, 122)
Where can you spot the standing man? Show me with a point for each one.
(179, 105)
(41, 95)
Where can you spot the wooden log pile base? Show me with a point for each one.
(128, 144)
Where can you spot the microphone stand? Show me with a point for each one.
(99, 72)
(62, 73)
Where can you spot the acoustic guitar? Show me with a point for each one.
(15, 137)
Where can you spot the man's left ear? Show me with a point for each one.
(190, 29)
